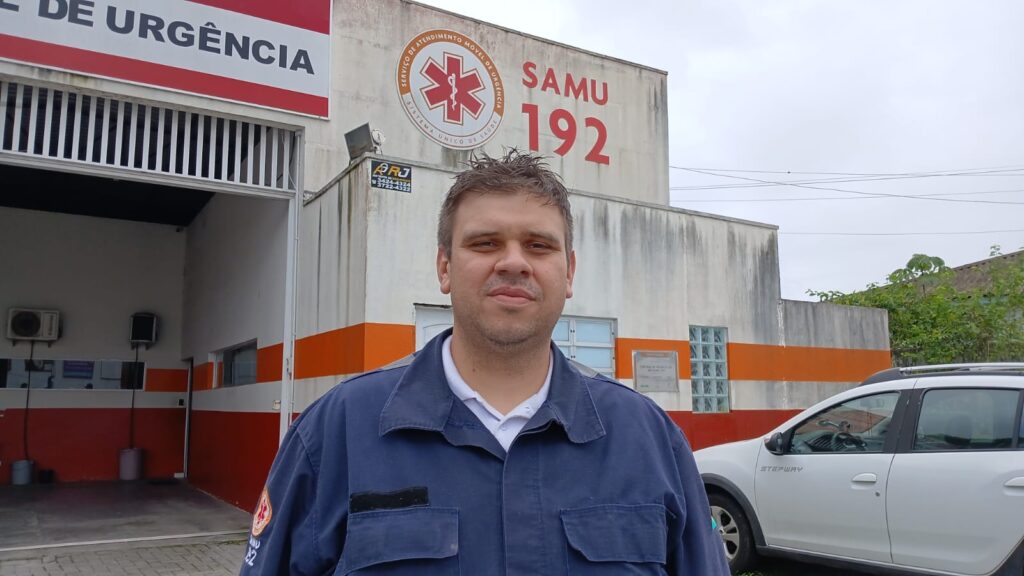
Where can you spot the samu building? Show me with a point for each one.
(185, 166)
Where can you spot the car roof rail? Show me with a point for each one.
(889, 374)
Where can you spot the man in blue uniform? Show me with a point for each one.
(488, 453)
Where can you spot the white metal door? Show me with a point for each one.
(828, 503)
(827, 495)
(431, 321)
(956, 500)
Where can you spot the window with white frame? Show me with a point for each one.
(240, 364)
(589, 341)
(709, 369)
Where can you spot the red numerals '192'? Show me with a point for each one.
(563, 125)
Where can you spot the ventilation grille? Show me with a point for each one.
(99, 131)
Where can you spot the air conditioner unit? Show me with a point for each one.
(30, 324)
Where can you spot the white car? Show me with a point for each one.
(915, 471)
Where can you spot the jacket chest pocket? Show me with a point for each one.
(401, 542)
(616, 539)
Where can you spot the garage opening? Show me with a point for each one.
(155, 249)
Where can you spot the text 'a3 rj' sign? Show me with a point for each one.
(390, 176)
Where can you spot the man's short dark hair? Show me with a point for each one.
(514, 172)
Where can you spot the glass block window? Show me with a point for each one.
(709, 369)
(589, 341)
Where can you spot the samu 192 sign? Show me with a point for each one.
(590, 131)
(264, 52)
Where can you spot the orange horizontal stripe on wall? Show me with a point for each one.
(268, 363)
(166, 380)
(767, 362)
(803, 363)
(201, 377)
(624, 348)
(353, 349)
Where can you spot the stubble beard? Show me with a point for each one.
(508, 334)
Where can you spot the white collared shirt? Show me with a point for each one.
(504, 427)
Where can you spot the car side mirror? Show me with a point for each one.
(774, 444)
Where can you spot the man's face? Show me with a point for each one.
(508, 274)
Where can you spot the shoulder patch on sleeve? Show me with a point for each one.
(264, 512)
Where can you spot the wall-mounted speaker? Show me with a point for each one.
(143, 328)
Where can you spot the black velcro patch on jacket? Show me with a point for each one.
(404, 498)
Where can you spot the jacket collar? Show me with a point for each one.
(422, 399)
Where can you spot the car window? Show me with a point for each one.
(855, 426)
(971, 419)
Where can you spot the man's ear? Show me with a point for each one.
(571, 273)
(443, 265)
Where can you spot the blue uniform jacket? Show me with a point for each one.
(389, 473)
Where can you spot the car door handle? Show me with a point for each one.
(865, 478)
(1017, 482)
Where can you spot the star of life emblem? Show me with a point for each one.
(261, 518)
(451, 89)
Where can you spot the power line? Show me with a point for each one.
(1002, 172)
(898, 233)
(858, 192)
(688, 201)
(748, 171)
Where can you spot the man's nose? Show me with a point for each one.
(513, 261)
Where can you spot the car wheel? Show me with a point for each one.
(734, 528)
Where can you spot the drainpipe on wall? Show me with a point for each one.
(288, 363)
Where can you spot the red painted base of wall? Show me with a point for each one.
(703, 430)
(84, 443)
(230, 454)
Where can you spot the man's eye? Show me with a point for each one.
(539, 246)
(484, 244)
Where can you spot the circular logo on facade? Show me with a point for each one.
(451, 89)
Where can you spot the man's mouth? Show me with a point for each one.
(511, 294)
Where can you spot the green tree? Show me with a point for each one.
(937, 317)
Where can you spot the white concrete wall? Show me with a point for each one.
(234, 275)
(331, 291)
(97, 272)
(827, 325)
(368, 38)
(653, 268)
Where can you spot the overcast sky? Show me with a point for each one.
(839, 86)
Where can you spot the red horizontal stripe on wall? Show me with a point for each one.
(231, 453)
(119, 67)
(84, 443)
(312, 15)
(703, 430)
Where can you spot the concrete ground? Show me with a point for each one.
(115, 528)
(40, 516)
(210, 556)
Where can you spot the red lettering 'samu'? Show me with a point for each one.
(584, 89)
